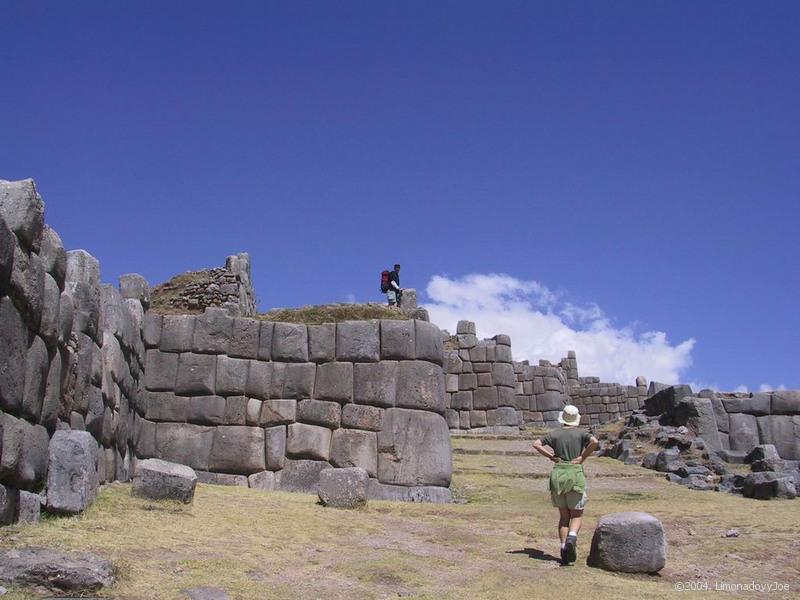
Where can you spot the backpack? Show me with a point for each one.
(384, 282)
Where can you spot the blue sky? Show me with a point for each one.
(639, 161)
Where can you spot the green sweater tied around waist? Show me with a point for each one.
(567, 477)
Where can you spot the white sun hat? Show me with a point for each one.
(569, 416)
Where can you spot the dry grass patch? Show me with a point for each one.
(333, 313)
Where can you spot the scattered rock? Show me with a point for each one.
(161, 480)
(631, 542)
(343, 488)
(767, 485)
(71, 473)
(55, 570)
(731, 533)
(206, 593)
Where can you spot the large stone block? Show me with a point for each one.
(135, 287)
(52, 394)
(467, 381)
(152, 329)
(275, 447)
(355, 448)
(768, 485)
(782, 431)
(144, 437)
(259, 380)
(429, 342)
(631, 542)
(236, 410)
(465, 327)
(157, 479)
(290, 342)
(27, 286)
(196, 374)
(300, 476)
(263, 480)
(786, 402)
(478, 418)
(743, 435)
(22, 209)
(549, 401)
(357, 416)
(278, 412)
(375, 384)
(319, 412)
(71, 474)
(23, 452)
(665, 400)
(506, 396)
(206, 410)
(400, 493)
(461, 401)
(322, 342)
(308, 441)
(165, 406)
(334, 381)
(698, 415)
(232, 373)
(185, 444)
(237, 449)
(51, 310)
(212, 331)
(13, 350)
(177, 333)
(505, 416)
(161, 370)
(244, 340)
(7, 244)
(36, 364)
(453, 362)
(503, 374)
(484, 398)
(358, 341)
(343, 488)
(414, 448)
(9, 502)
(420, 385)
(298, 379)
(397, 339)
(265, 340)
(503, 353)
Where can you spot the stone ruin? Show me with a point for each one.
(93, 379)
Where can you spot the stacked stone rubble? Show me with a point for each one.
(271, 405)
(70, 351)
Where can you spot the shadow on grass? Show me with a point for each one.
(536, 554)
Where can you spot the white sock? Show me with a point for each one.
(573, 533)
(564, 545)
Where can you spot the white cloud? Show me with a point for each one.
(766, 387)
(543, 326)
(741, 389)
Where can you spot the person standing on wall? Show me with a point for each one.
(392, 287)
(568, 448)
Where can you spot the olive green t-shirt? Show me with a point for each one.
(567, 443)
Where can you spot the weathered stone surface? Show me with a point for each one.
(244, 339)
(135, 287)
(8, 242)
(253, 416)
(29, 507)
(51, 311)
(152, 329)
(71, 475)
(236, 410)
(743, 435)
(52, 394)
(263, 480)
(420, 385)
(451, 416)
(503, 374)
(212, 331)
(278, 412)
(358, 341)
(467, 341)
(465, 327)
(783, 431)
(161, 370)
(502, 416)
(503, 354)
(343, 488)
(289, 343)
(397, 339)
(161, 480)
(308, 441)
(196, 375)
(9, 501)
(177, 333)
(237, 449)
(484, 398)
(23, 452)
(698, 414)
(41, 567)
(232, 373)
(300, 475)
(665, 400)
(631, 542)
(322, 342)
(334, 381)
(467, 381)
(265, 340)
(206, 593)
(355, 448)
(293, 380)
(477, 418)
(165, 406)
(27, 286)
(320, 412)
(429, 342)
(357, 416)
(36, 364)
(259, 380)
(786, 402)
(275, 446)
(144, 437)
(185, 444)
(400, 493)
(549, 401)
(376, 384)
(768, 485)
(22, 209)
(414, 448)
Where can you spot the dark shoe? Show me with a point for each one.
(563, 557)
(571, 549)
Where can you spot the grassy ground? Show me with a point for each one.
(499, 544)
(332, 313)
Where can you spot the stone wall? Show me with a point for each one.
(270, 405)
(488, 392)
(71, 352)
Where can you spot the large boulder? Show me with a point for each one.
(13, 352)
(71, 473)
(631, 542)
(698, 414)
(768, 485)
(238, 449)
(46, 568)
(414, 448)
(161, 480)
(23, 211)
(343, 488)
(300, 475)
(401, 493)
(665, 400)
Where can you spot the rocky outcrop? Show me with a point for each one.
(53, 570)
